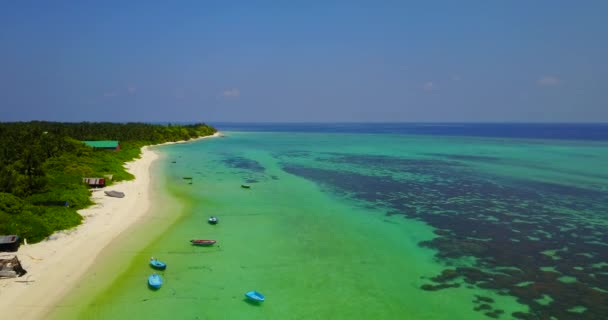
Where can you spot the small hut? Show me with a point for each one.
(53, 203)
(103, 144)
(95, 182)
(11, 268)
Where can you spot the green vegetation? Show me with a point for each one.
(44, 162)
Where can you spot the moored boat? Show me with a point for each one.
(157, 264)
(255, 296)
(155, 281)
(212, 220)
(201, 242)
(245, 186)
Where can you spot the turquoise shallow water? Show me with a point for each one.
(358, 226)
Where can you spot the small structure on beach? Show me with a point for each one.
(9, 243)
(53, 203)
(11, 268)
(103, 144)
(95, 182)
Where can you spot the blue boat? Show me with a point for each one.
(255, 296)
(155, 281)
(157, 264)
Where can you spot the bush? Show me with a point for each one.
(10, 204)
(60, 218)
(32, 227)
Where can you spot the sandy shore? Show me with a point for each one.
(54, 266)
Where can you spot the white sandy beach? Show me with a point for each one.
(55, 266)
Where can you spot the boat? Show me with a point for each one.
(115, 194)
(200, 242)
(9, 243)
(245, 186)
(157, 264)
(212, 220)
(255, 296)
(155, 281)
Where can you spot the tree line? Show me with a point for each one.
(44, 162)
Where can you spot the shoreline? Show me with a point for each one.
(54, 267)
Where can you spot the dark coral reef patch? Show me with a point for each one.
(531, 240)
(243, 163)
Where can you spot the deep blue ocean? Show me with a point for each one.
(558, 131)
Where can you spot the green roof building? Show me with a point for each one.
(103, 144)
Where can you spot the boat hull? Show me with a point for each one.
(115, 194)
(158, 265)
(203, 243)
(255, 296)
(155, 281)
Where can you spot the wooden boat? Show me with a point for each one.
(255, 296)
(157, 264)
(155, 281)
(9, 243)
(212, 220)
(245, 186)
(200, 242)
(115, 194)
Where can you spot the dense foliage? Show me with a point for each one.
(44, 162)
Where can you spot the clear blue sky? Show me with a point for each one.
(304, 61)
